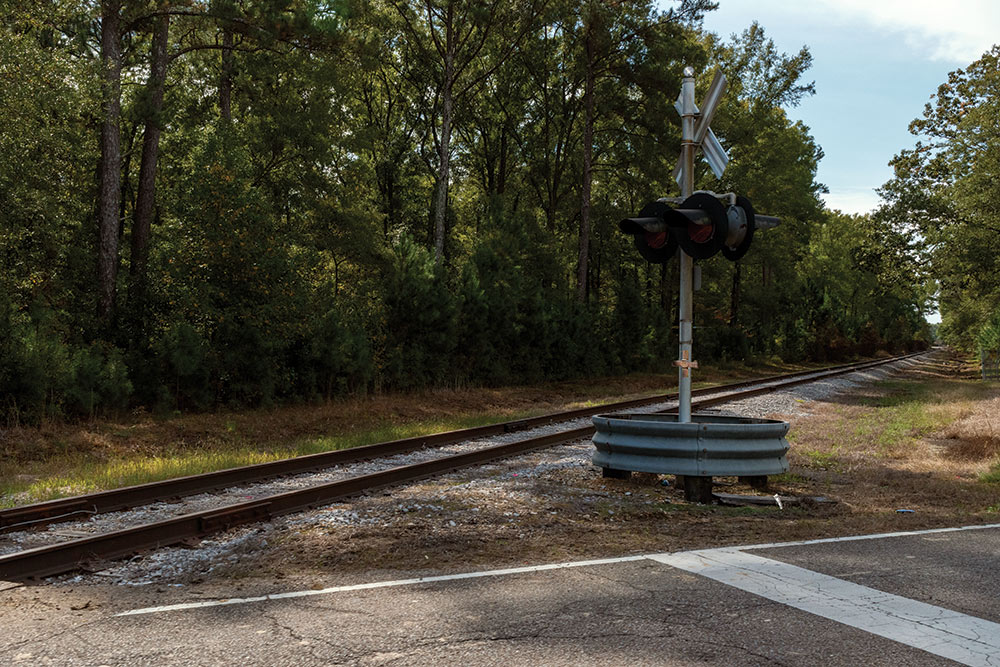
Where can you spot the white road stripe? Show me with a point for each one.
(873, 536)
(959, 637)
(381, 584)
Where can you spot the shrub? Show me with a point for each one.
(98, 380)
(418, 330)
(185, 359)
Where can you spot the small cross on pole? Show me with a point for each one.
(685, 365)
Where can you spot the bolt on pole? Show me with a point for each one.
(688, 148)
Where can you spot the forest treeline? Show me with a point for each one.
(944, 199)
(226, 202)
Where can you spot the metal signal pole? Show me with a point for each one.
(688, 148)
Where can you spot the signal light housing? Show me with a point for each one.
(701, 225)
(742, 224)
(651, 235)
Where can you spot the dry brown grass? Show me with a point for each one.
(141, 434)
(919, 444)
(975, 436)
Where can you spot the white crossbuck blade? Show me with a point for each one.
(715, 154)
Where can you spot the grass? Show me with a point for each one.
(789, 478)
(928, 441)
(890, 419)
(86, 476)
(76, 473)
(904, 411)
(821, 460)
(992, 476)
(59, 460)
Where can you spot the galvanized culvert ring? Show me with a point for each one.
(709, 446)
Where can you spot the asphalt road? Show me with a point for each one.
(870, 601)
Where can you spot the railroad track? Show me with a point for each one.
(76, 553)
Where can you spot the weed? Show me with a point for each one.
(85, 476)
(822, 460)
(789, 478)
(991, 476)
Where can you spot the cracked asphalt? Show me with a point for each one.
(959, 571)
(637, 612)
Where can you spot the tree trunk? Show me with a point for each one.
(444, 150)
(588, 176)
(550, 210)
(502, 169)
(389, 196)
(226, 76)
(146, 198)
(109, 195)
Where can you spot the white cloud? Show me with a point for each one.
(955, 32)
(852, 200)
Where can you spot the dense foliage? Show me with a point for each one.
(209, 202)
(943, 201)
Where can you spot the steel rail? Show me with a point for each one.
(74, 554)
(114, 500)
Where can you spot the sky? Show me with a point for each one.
(876, 63)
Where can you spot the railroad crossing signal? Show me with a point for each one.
(700, 223)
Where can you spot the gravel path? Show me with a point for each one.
(499, 485)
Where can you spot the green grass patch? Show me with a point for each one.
(80, 475)
(789, 478)
(991, 476)
(906, 412)
(898, 392)
(824, 460)
(75, 474)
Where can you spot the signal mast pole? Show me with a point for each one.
(688, 148)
